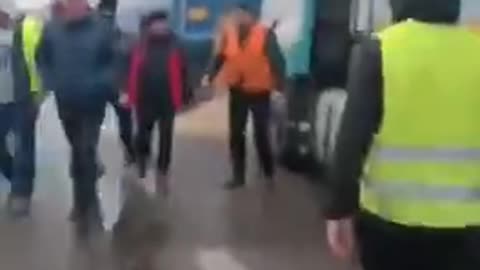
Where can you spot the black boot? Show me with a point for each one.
(86, 214)
(142, 170)
(236, 182)
(89, 220)
(142, 164)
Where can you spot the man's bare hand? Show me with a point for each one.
(341, 238)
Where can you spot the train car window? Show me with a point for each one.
(382, 14)
(368, 16)
(129, 13)
(359, 16)
(294, 26)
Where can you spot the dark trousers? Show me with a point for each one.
(146, 121)
(25, 148)
(7, 114)
(385, 246)
(82, 129)
(240, 106)
(125, 126)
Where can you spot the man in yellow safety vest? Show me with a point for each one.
(28, 97)
(410, 133)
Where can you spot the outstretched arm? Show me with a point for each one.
(276, 57)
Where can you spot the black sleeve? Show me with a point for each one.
(215, 65)
(361, 120)
(124, 60)
(275, 57)
(187, 84)
(108, 61)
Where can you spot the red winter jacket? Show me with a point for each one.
(175, 66)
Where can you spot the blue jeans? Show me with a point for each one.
(7, 113)
(25, 149)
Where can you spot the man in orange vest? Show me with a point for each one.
(249, 63)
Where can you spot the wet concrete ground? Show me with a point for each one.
(202, 228)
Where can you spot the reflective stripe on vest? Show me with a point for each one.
(409, 190)
(427, 155)
(31, 34)
(424, 168)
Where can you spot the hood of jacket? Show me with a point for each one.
(430, 11)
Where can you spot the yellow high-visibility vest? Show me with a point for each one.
(32, 28)
(424, 167)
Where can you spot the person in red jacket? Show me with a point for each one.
(155, 91)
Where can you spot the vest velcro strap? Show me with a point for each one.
(406, 190)
(427, 155)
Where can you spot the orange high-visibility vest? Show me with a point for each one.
(246, 65)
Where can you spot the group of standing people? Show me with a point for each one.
(76, 55)
(403, 186)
